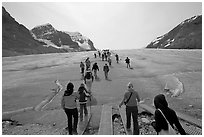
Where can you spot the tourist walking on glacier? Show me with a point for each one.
(83, 94)
(106, 70)
(95, 55)
(117, 58)
(127, 60)
(131, 99)
(164, 115)
(82, 66)
(95, 68)
(69, 105)
(88, 63)
(99, 53)
(88, 80)
(109, 61)
(102, 56)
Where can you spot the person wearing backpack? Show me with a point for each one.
(106, 70)
(83, 94)
(69, 105)
(88, 80)
(164, 115)
(131, 99)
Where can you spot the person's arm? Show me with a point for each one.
(62, 103)
(122, 102)
(137, 96)
(76, 94)
(86, 92)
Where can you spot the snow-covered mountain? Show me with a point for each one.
(17, 40)
(82, 41)
(187, 35)
(70, 41)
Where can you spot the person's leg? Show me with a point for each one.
(105, 75)
(129, 65)
(85, 110)
(75, 115)
(128, 117)
(69, 118)
(135, 120)
(81, 112)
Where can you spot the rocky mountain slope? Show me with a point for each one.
(18, 40)
(187, 35)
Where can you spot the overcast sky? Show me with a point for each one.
(121, 25)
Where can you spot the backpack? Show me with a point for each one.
(88, 75)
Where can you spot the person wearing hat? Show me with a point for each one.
(83, 94)
(88, 80)
(69, 105)
(131, 99)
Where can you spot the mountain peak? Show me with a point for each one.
(186, 35)
(43, 25)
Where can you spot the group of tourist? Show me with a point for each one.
(69, 105)
(165, 117)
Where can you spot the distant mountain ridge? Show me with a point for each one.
(18, 40)
(60, 39)
(186, 35)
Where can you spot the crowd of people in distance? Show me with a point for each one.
(165, 117)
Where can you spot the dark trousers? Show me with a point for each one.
(128, 65)
(72, 113)
(134, 112)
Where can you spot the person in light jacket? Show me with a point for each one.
(131, 98)
(69, 105)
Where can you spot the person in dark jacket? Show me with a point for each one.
(82, 66)
(160, 122)
(83, 94)
(127, 61)
(117, 58)
(106, 70)
(95, 68)
(69, 105)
